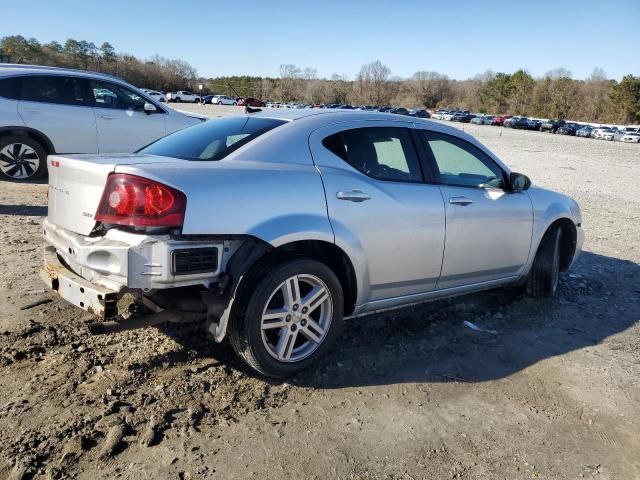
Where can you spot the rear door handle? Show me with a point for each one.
(464, 201)
(107, 117)
(353, 196)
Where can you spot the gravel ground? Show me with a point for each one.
(404, 395)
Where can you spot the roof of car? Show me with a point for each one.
(322, 116)
(11, 69)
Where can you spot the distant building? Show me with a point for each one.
(5, 57)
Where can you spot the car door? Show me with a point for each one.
(488, 228)
(123, 125)
(59, 107)
(379, 204)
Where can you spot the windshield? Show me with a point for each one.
(212, 140)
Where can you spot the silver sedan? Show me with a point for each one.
(273, 227)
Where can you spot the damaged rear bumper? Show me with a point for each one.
(97, 300)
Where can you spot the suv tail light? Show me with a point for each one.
(140, 202)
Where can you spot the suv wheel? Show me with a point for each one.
(177, 100)
(289, 317)
(22, 158)
(545, 271)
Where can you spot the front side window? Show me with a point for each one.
(212, 140)
(462, 164)
(384, 153)
(109, 95)
(53, 89)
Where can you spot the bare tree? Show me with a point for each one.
(372, 79)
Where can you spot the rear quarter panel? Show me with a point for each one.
(9, 113)
(276, 202)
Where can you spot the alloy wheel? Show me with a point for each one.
(19, 161)
(296, 318)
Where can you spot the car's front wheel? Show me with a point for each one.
(545, 271)
(22, 158)
(288, 317)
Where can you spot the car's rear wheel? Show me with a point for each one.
(178, 100)
(22, 158)
(288, 317)
(545, 271)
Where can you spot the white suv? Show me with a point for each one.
(46, 110)
(182, 96)
(224, 100)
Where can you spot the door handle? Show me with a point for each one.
(32, 110)
(464, 201)
(353, 196)
(107, 117)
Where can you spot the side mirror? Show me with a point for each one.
(149, 108)
(519, 182)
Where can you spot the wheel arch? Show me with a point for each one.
(30, 132)
(256, 256)
(321, 250)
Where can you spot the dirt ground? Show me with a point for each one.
(410, 394)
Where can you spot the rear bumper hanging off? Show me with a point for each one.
(95, 299)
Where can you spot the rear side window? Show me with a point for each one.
(384, 153)
(53, 89)
(9, 87)
(212, 140)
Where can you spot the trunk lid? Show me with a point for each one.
(76, 183)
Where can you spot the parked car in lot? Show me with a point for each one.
(223, 100)
(182, 96)
(500, 119)
(159, 96)
(47, 110)
(516, 122)
(533, 124)
(419, 113)
(483, 120)
(629, 136)
(568, 129)
(462, 117)
(250, 102)
(585, 131)
(399, 111)
(204, 225)
(551, 125)
(603, 133)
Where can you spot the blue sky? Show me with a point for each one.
(454, 37)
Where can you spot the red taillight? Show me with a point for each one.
(140, 202)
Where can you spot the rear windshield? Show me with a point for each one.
(212, 140)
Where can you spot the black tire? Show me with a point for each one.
(542, 281)
(235, 104)
(24, 158)
(177, 100)
(245, 332)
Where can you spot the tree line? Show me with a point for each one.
(555, 95)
